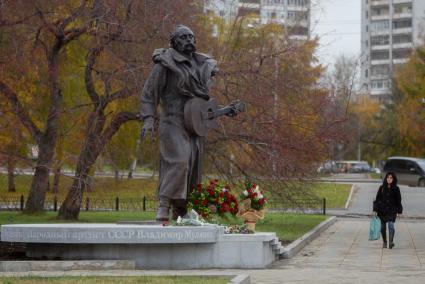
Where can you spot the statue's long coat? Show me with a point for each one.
(173, 81)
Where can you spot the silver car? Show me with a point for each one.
(409, 171)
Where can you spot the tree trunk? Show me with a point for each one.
(56, 179)
(37, 194)
(94, 144)
(70, 208)
(10, 175)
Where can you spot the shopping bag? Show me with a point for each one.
(374, 228)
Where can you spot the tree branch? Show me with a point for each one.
(20, 112)
(74, 15)
(121, 94)
(116, 123)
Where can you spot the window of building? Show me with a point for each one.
(367, 14)
(366, 73)
(401, 24)
(367, 28)
(382, 25)
(297, 16)
(379, 11)
(380, 70)
(297, 2)
(380, 40)
(403, 38)
(401, 53)
(380, 55)
(403, 8)
(379, 84)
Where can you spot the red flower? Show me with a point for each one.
(195, 201)
(204, 202)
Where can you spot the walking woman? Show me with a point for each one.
(388, 207)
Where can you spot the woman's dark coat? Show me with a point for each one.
(388, 203)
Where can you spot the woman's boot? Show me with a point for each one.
(391, 232)
(384, 237)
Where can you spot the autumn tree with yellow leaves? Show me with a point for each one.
(410, 110)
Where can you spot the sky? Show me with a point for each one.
(337, 24)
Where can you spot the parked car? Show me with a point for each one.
(352, 166)
(409, 171)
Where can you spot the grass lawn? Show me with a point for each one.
(288, 227)
(103, 187)
(336, 194)
(116, 279)
(375, 175)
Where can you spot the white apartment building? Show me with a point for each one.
(293, 14)
(390, 31)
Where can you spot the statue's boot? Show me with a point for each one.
(163, 212)
(179, 208)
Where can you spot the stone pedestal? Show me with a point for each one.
(150, 246)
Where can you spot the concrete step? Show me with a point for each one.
(65, 265)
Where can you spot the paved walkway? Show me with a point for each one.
(343, 254)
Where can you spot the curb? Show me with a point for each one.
(296, 246)
(65, 265)
(349, 197)
(240, 279)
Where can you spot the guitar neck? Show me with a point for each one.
(220, 112)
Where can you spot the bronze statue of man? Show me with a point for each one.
(179, 74)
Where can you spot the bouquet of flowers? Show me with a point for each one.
(252, 207)
(254, 195)
(213, 198)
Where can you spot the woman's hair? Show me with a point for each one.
(394, 183)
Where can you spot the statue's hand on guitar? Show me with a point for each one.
(235, 108)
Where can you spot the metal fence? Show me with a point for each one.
(304, 205)
(88, 204)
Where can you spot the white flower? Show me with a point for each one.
(260, 196)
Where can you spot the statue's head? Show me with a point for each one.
(183, 40)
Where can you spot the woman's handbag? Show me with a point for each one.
(374, 228)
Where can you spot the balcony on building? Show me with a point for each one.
(401, 1)
(380, 47)
(403, 11)
(407, 45)
(379, 61)
(380, 13)
(298, 5)
(298, 31)
(380, 72)
(374, 3)
(400, 60)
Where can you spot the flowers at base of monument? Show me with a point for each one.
(255, 195)
(237, 229)
(213, 198)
